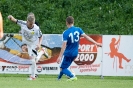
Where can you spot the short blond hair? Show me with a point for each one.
(31, 17)
(31, 14)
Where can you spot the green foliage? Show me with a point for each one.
(93, 16)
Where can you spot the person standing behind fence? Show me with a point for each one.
(69, 50)
(32, 36)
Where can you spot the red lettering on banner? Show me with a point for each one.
(23, 67)
(89, 66)
(73, 67)
(88, 70)
(86, 48)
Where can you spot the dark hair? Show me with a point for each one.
(23, 45)
(70, 20)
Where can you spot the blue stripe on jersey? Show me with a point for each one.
(72, 36)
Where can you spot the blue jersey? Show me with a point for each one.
(72, 37)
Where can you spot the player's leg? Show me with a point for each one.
(61, 72)
(71, 72)
(33, 68)
(66, 63)
(41, 52)
(33, 62)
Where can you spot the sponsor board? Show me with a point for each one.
(117, 55)
(88, 61)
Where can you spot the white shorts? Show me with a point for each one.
(31, 46)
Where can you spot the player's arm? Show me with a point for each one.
(64, 39)
(91, 40)
(40, 40)
(61, 52)
(40, 36)
(62, 49)
(10, 17)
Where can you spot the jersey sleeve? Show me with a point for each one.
(64, 37)
(81, 31)
(39, 33)
(21, 22)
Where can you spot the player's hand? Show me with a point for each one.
(10, 17)
(38, 47)
(59, 60)
(99, 44)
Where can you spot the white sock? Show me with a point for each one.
(39, 55)
(33, 68)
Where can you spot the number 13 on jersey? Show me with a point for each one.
(74, 36)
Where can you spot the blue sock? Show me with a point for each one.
(67, 72)
(60, 75)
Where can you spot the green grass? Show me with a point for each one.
(49, 81)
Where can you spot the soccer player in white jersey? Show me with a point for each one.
(31, 35)
(69, 50)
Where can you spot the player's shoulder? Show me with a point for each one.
(66, 32)
(21, 22)
(74, 28)
(36, 27)
(78, 28)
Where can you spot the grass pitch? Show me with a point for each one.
(50, 81)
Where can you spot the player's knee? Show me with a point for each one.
(33, 61)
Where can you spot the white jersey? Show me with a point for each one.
(29, 36)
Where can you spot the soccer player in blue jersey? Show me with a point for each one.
(69, 50)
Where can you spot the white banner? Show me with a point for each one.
(117, 55)
(26, 69)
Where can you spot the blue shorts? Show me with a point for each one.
(66, 61)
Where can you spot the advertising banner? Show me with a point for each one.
(88, 61)
(14, 60)
(117, 55)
